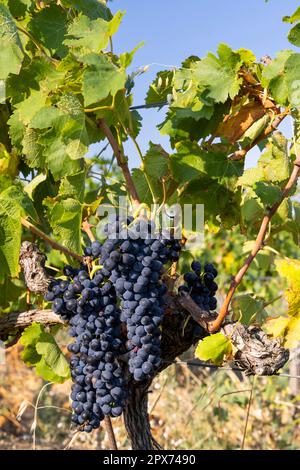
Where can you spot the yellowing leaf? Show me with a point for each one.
(276, 326)
(293, 333)
(290, 269)
(214, 348)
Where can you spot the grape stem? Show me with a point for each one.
(241, 154)
(120, 160)
(259, 243)
(86, 227)
(110, 433)
(52, 243)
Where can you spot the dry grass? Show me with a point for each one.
(190, 408)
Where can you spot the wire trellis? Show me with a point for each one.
(205, 365)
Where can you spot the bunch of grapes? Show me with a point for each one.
(89, 303)
(136, 264)
(201, 285)
(121, 283)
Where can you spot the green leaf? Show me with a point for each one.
(156, 161)
(29, 107)
(251, 209)
(47, 373)
(92, 8)
(292, 68)
(49, 26)
(20, 197)
(11, 48)
(191, 161)
(31, 334)
(73, 186)
(10, 236)
(18, 8)
(183, 124)
(16, 129)
(86, 35)
(273, 165)
(56, 156)
(274, 162)
(274, 77)
(245, 309)
(294, 35)
(101, 79)
(161, 87)
(293, 18)
(214, 348)
(47, 347)
(267, 193)
(42, 351)
(31, 187)
(219, 74)
(33, 151)
(45, 117)
(142, 186)
(127, 57)
(65, 220)
(11, 290)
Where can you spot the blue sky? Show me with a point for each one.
(173, 30)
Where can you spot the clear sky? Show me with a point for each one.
(174, 29)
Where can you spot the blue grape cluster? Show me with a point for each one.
(201, 285)
(127, 269)
(136, 263)
(98, 388)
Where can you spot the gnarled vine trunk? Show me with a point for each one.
(136, 418)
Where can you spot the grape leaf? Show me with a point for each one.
(191, 161)
(65, 220)
(31, 187)
(290, 270)
(293, 18)
(10, 236)
(11, 290)
(219, 74)
(160, 88)
(92, 8)
(156, 161)
(274, 77)
(247, 310)
(142, 186)
(294, 35)
(30, 106)
(47, 347)
(42, 352)
(11, 47)
(86, 35)
(18, 8)
(292, 68)
(214, 348)
(101, 78)
(33, 151)
(56, 156)
(277, 326)
(273, 164)
(49, 26)
(267, 193)
(21, 198)
(127, 57)
(73, 186)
